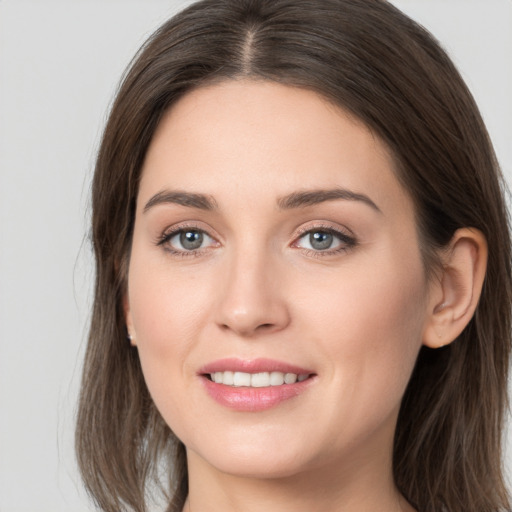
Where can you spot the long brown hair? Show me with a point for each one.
(373, 61)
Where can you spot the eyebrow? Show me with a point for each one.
(190, 199)
(289, 202)
(312, 197)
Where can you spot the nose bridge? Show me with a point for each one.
(251, 299)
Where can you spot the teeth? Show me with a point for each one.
(290, 378)
(260, 380)
(256, 380)
(241, 379)
(227, 378)
(276, 379)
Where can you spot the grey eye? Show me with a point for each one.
(326, 240)
(188, 240)
(191, 240)
(321, 240)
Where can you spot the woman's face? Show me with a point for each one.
(273, 243)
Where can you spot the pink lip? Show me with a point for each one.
(252, 366)
(246, 399)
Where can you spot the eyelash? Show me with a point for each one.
(347, 241)
(165, 238)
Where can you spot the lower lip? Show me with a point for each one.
(248, 399)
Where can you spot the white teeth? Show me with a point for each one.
(241, 379)
(276, 379)
(290, 378)
(227, 378)
(260, 380)
(256, 380)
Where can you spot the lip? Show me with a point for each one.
(248, 399)
(252, 366)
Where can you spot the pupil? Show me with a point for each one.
(320, 240)
(191, 240)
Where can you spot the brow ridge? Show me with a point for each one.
(299, 199)
(305, 198)
(189, 199)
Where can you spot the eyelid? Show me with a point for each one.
(334, 228)
(180, 226)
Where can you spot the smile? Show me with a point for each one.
(256, 380)
(255, 385)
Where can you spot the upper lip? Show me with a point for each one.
(252, 366)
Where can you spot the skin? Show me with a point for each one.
(257, 288)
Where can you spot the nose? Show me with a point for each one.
(251, 299)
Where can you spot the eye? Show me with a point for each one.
(325, 240)
(186, 240)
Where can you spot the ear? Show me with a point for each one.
(128, 320)
(455, 295)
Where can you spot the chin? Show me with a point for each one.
(252, 461)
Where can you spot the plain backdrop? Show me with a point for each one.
(60, 62)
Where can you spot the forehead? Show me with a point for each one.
(266, 139)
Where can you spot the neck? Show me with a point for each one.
(324, 490)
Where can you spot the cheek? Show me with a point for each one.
(166, 307)
(369, 321)
(166, 322)
(167, 310)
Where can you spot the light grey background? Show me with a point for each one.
(60, 62)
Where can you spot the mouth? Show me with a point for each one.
(254, 385)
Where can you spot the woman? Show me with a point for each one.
(303, 271)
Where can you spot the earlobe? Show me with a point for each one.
(455, 295)
(128, 320)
